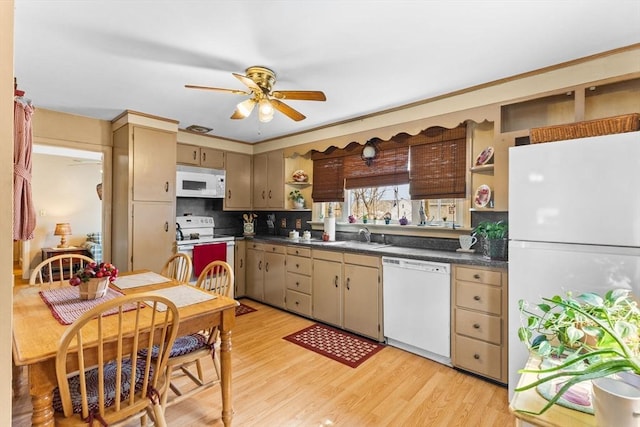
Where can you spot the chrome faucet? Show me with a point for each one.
(367, 234)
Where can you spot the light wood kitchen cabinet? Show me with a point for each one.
(237, 181)
(479, 340)
(144, 169)
(268, 180)
(362, 295)
(200, 156)
(254, 285)
(274, 275)
(326, 283)
(240, 268)
(298, 292)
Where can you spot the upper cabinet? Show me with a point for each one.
(153, 162)
(268, 180)
(238, 181)
(200, 156)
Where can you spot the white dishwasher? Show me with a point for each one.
(416, 303)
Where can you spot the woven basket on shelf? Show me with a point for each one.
(609, 125)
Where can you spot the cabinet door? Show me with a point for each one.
(154, 165)
(211, 158)
(274, 279)
(255, 274)
(260, 181)
(275, 180)
(153, 235)
(188, 154)
(240, 268)
(327, 288)
(238, 181)
(361, 300)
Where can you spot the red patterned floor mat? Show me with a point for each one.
(243, 309)
(335, 344)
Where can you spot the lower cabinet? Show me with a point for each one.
(479, 321)
(254, 284)
(274, 275)
(362, 295)
(327, 287)
(240, 268)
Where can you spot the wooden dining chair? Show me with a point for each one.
(101, 376)
(188, 351)
(178, 267)
(58, 268)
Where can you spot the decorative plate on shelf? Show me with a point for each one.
(300, 176)
(485, 157)
(483, 196)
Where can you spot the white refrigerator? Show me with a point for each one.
(574, 223)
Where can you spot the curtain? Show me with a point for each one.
(328, 180)
(390, 167)
(24, 216)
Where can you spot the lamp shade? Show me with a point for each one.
(63, 229)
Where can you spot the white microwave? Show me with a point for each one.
(193, 181)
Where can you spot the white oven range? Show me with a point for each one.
(196, 237)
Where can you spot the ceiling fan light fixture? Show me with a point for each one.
(265, 111)
(246, 107)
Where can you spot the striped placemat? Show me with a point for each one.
(66, 305)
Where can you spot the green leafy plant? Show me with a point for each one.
(296, 196)
(591, 336)
(492, 229)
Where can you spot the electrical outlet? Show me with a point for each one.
(283, 222)
(298, 223)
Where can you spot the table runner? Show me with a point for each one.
(140, 279)
(66, 305)
(183, 295)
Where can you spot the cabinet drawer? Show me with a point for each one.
(479, 326)
(300, 265)
(300, 303)
(478, 356)
(327, 255)
(479, 297)
(299, 283)
(479, 276)
(296, 250)
(366, 260)
(256, 246)
(275, 249)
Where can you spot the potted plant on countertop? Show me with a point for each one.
(297, 198)
(589, 337)
(494, 238)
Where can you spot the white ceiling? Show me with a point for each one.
(98, 58)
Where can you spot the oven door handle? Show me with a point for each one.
(182, 248)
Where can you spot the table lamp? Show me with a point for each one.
(63, 230)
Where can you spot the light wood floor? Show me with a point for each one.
(277, 383)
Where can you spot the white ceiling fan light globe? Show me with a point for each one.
(246, 107)
(265, 111)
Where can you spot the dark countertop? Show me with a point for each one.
(387, 250)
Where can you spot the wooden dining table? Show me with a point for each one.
(36, 336)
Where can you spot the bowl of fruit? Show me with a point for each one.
(300, 176)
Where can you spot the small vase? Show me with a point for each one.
(298, 204)
(93, 288)
(387, 221)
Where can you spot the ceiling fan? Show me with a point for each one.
(260, 81)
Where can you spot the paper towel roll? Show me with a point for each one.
(330, 228)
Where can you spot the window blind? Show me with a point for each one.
(390, 167)
(438, 164)
(328, 180)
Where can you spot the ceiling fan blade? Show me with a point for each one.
(237, 115)
(287, 111)
(248, 82)
(303, 95)
(217, 89)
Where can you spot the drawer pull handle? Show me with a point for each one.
(266, 267)
(297, 265)
(260, 265)
(297, 303)
(476, 356)
(476, 276)
(476, 326)
(297, 283)
(477, 298)
(335, 282)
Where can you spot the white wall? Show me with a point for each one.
(64, 190)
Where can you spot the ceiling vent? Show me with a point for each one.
(199, 129)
